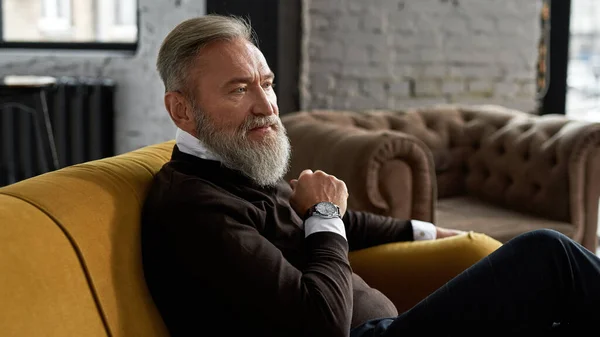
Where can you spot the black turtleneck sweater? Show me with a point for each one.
(221, 253)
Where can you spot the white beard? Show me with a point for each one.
(265, 161)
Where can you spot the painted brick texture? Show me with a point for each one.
(396, 54)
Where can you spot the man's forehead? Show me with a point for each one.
(233, 56)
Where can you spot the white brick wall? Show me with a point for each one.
(399, 53)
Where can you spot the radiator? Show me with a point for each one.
(81, 116)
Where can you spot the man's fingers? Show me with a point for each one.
(293, 183)
(305, 172)
(445, 232)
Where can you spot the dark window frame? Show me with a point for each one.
(553, 100)
(278, 28)
(83, 46)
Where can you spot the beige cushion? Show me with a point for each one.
(470, 214)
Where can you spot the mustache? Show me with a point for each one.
(253, 122)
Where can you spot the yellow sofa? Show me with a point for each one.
(70, 261)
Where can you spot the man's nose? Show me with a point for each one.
(262, 105)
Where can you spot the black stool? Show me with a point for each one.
(27, 95)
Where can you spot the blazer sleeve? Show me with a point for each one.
(364, 230)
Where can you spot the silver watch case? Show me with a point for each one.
(326, 210)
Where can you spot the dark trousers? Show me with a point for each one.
(540, 283)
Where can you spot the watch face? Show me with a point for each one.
(326, 208)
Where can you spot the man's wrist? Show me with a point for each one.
(324, 209)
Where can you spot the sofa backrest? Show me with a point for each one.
(74, 228)
(43, 289)
(487, 151)
(442, 128)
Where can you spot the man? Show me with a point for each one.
(229, 246)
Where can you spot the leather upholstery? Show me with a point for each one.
(544, 166)
(370, 163)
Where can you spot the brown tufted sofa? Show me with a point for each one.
(483, 168)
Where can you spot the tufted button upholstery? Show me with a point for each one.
(506, 157)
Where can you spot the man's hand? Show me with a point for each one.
(441, 232)
(313, 187)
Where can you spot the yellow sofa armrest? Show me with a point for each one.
(407, 272)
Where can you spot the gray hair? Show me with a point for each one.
(185, 41)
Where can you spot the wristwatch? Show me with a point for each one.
(325, 209)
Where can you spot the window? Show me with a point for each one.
(117, 21)
(55, 18)
(583, 79)
(69, 24)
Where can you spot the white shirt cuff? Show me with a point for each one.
(423, 230)
(315, 224)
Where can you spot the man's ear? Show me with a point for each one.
(181, 111)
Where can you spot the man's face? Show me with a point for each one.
(232, 83)
(236, 110)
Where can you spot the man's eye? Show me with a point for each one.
(269, 85)
(240, 90)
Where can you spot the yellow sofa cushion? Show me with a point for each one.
(43, 289)
(98, 204)
(407, 272)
